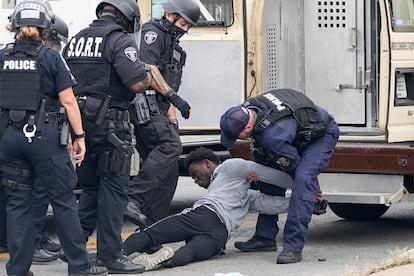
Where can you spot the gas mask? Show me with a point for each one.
(175, 32)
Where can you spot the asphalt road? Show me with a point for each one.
(334, 246)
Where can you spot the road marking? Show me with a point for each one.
(91, 244)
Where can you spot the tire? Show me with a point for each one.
(353, 211)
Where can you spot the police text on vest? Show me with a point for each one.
(19, 65)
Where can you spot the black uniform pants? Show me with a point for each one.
(51, 163)
(159, 145)
(3, 226)
(40, 206)
(205, 236)
(104, 195)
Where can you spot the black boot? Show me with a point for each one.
(42, 256)
(135, 215)
(256, 244)
(320, 207)
(121, 265)
(92, 271)
(289, 257)
(50, 245)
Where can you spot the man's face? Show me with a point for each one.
(200, 172)
(180, 23)
(183, 24)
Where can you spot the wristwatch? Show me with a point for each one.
(80, 136)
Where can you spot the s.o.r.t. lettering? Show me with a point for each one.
(85, 47)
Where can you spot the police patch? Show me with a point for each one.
(150, 37)
(131, 54)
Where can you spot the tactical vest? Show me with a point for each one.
(20, 79)
(96, 77)
(172, 63)
(280, 103)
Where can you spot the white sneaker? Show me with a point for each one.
(153, 261)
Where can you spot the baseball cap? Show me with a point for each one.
(232, 124)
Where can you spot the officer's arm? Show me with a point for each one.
(158, 81)
(141, 85)
(159, 84)
(68, 100)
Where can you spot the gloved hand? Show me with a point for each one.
(179, 103)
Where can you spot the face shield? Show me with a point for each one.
(134, 31)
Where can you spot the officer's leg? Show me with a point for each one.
(314, 160)
(59, 178)
(158, 209)
(40, 205)
(20, 224)
(113, 198)
(163, 140)
(266, 226)
(3, 217)
(88, 201)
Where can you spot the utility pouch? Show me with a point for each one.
(152, 102)
(116, 161)
(18, 118)
(91, 108)
(141, 108)
(307, 135)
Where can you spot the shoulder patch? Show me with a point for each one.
(131, 53)
(150, 37)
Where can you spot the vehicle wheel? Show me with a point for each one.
(353, 211)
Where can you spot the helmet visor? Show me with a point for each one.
(136, 32)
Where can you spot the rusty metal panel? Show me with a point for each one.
(379, 158)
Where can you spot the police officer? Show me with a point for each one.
(45, 248)
(156, 125)
(291, 134)
(105, 61)
(30, 145)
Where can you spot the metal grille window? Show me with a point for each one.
(331, 14)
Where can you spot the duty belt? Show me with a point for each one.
(118, 115)
(52, 118)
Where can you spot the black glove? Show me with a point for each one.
(179, 103)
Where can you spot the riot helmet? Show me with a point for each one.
(129, 8)
(188, 9)
(57, 34)
(59, 31)
(37, 13)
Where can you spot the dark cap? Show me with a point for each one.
(232, 124)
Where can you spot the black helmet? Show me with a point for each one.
(188, 9)
(129, 8)
(36, 13)
(59, 31)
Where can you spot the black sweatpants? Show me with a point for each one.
(205, 236)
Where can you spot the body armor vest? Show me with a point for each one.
(277, 104)
(20, 79)
(97, 78)
(172, 63)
